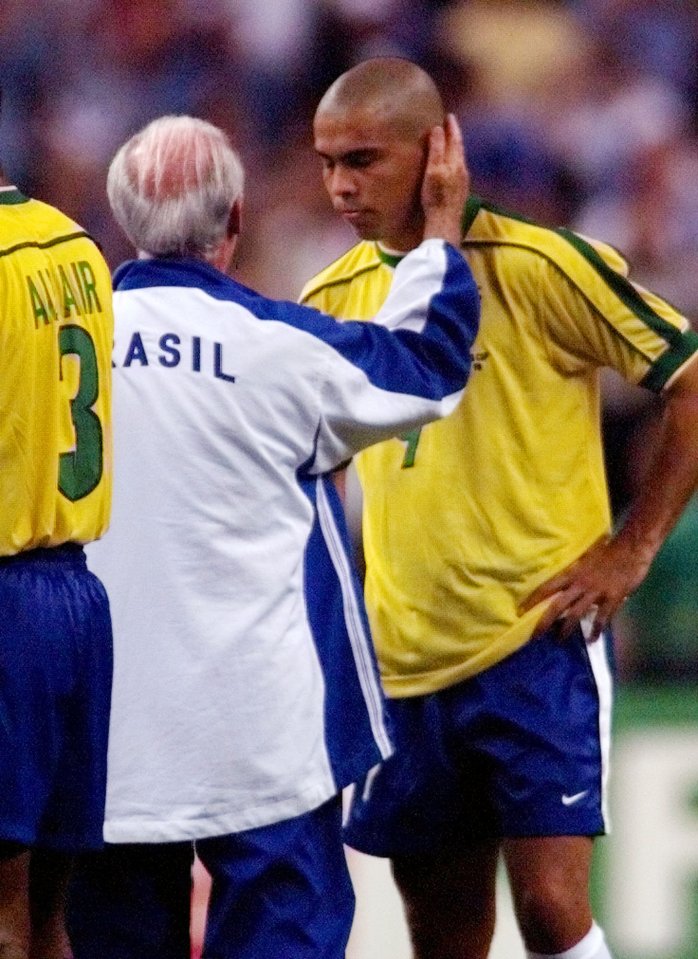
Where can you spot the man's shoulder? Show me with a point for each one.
(490, 226)
(30, 221)
(360, 260)
(189, 287)
(485, 223)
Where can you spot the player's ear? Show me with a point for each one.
(234, 220)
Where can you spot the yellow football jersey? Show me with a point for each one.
(463, 520)
(56, 332)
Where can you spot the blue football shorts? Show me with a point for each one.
(55, 691)
(277, 891)
(518, 750)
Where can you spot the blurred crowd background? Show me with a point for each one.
(581, 113)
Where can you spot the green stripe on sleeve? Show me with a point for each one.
(627, 293)
(668, 363)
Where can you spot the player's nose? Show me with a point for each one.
(342, 182)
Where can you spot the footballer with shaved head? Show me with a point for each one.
(492, 570)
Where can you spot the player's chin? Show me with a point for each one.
(364, 227)
(369, 233)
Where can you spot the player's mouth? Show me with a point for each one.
(358, 220)
(362, 221)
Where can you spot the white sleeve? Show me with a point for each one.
(406, 369)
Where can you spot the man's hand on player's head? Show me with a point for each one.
(446, 182)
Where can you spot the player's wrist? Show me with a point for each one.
(443, 225)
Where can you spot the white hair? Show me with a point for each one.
(172, 185)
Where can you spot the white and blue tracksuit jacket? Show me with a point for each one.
(245, 687)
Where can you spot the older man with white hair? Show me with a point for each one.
(245, 691)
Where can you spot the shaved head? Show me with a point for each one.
(372, 131)
(395, 90)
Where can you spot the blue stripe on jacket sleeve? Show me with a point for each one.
(432, 363)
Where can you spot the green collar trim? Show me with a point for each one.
(471, 209)
(11, 195)
(390, 259)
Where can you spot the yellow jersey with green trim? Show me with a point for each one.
(56, 332)
(463, 520)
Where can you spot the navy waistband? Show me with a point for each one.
(66, 553)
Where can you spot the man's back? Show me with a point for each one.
(56, 329)
(246, 693)
(229, 408)
(55, 337)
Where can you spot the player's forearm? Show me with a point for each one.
(434, 294)
(673, 474)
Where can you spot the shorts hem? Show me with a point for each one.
(70, 844)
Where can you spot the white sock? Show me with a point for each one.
(592, 946)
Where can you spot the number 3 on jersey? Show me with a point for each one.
(80, 470)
